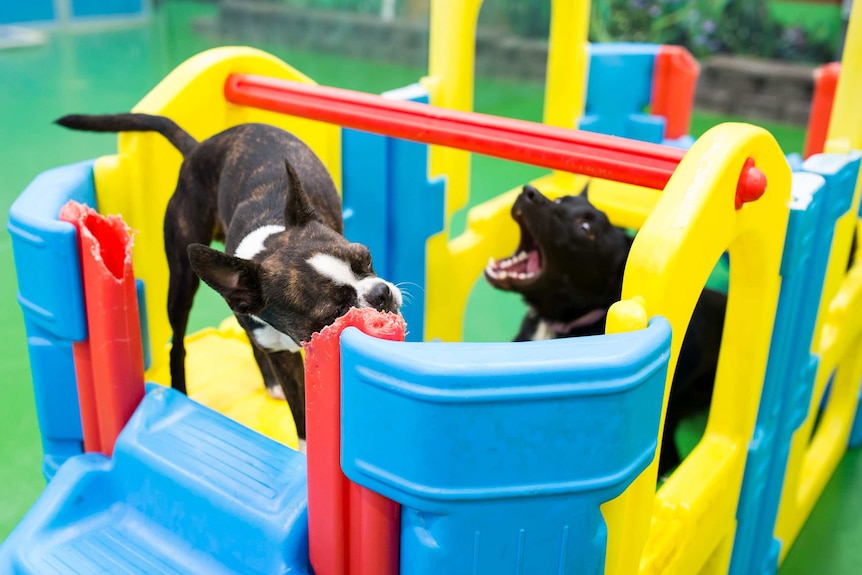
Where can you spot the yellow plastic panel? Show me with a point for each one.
(845, 125)
(138, 181)
(688, 526)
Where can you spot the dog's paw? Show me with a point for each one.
(276, 392)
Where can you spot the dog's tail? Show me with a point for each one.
(181, 139)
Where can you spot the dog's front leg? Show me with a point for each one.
(285, 370)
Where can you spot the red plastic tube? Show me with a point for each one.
(351, 530)
(674, 82)
(825, 86)
(596, 155)
(109, 365)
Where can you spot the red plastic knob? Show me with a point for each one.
(751, 184)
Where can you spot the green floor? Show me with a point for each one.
(109, 71)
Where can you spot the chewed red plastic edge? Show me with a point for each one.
(352, 530)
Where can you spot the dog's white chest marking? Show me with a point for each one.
(543, 332)
(339, 272)
(266, 336)
(252, 244)
(270, 339)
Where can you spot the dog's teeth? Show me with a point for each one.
(522, 276)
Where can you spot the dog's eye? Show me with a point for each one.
(586, 227)
(366, 261)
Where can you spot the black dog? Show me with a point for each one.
(569, 269)
(287, 270)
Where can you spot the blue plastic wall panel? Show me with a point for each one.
(140, 293)
(391, 206)
(51, 296)
(15, 12)
(499, 452)
(106, 7)
(619, 89)
(856, 432)
(46, 250)
(364, 176)
(188, 491)
(821, 194)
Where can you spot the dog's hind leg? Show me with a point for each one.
(185, 224)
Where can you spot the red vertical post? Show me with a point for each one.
(674, 82)
(352, 530)
(825, 85)
(109, 364)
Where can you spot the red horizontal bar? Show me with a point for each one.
(575, 151)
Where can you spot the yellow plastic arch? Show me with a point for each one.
(453, 266)
(691, 522)
(138, 181)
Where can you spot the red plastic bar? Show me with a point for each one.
(109, 364)
(351, 530)
(825, 86)
(596, 155)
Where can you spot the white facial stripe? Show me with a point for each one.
(270, 339)
(333, 268)
(252, 244)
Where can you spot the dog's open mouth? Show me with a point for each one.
(521, 268)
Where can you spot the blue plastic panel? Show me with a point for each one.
(821, 193)
(12, 12)
(621, 112)
(51, 295)
(188, 491)
(46, 250)
(106, 7)
(499, 451)
(365, 168)
(391, 206)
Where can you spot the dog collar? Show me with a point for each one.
(591, 317)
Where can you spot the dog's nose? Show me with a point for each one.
(530, 193)
(380, 297)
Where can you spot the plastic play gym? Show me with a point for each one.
(427, 455)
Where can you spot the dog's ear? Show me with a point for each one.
(298, 211)
(585, 193)
(236, 279)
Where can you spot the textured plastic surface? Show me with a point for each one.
(109, 364)
(352, 531)
(187, 491)
(391, 206)
(499, 451)
(51, 296)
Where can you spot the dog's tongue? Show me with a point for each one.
(533, 262)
